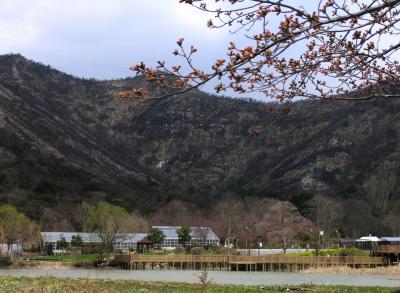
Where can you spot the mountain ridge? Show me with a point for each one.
(197, 146)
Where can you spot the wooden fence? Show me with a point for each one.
(241, 262)
(386, 249)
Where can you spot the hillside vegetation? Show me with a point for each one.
(65, 140)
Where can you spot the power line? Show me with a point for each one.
(74, 61)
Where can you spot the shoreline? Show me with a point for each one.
(218, 277)
(345, 270)
(337, 270)
(44, 265)
(51, 284)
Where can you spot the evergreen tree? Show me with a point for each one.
(156, 235)
(184, 235)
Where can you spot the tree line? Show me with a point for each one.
(238, 221)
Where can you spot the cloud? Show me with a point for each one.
(102, 38)
(10, 29)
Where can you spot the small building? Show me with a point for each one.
(389, 241)
(201, 236)
(388, 248)
(129, 241)
(125, 242)
(367, 242)
(345, 243)
(10, 249)
(144, 245)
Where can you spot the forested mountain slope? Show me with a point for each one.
(65, 139)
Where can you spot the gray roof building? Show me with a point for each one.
(390, 239)
(125, 241)
(201, 236)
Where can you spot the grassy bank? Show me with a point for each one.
(54, 285)
(344, 270)
(333, 252)
(61, 261)
(67, 258)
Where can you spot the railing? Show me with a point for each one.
(241, 259)
(386, 249)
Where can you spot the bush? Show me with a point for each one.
(89, 248)
(197, 250)
(353, 252)
(49, 249)
(343, 252)
(5, 261)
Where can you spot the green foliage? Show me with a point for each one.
(68, 258)
(110, 222)
(300, 200)
(184, 235)
(15, 226)
(5, 261)
(303, 239)
(156, 235)
(49, 249)
(38, 181)
(62, 243)
(333, 252)
(344, 252)
(76, 241)
(107, 216)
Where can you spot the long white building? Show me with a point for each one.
(125, 242)
(201, 236)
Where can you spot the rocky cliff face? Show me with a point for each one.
(195, 146)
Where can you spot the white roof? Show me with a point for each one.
(89, 237)
(369, 238)
(390, 239)
(170, 232)
(133, 237)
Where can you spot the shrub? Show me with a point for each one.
(197, 250)
(5, 261)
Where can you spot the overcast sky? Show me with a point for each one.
(102, 38)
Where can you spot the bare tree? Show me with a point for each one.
(229, 212)
(380, 189)
(52, 220)
(358, 218)
(82, 214)
(319, 49)
(327, 214)
(392, 221)
(201, 233)
(282, 222)
(175, 213)
(140, 222)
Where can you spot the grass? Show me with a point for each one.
(67, 258)
(62, 261)
(333, 252)
(55, 285)
(345, 270)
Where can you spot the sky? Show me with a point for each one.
(102, 38)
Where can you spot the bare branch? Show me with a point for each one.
(347, 51)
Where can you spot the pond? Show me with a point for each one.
(219, 277)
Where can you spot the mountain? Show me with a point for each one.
(65, 139)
